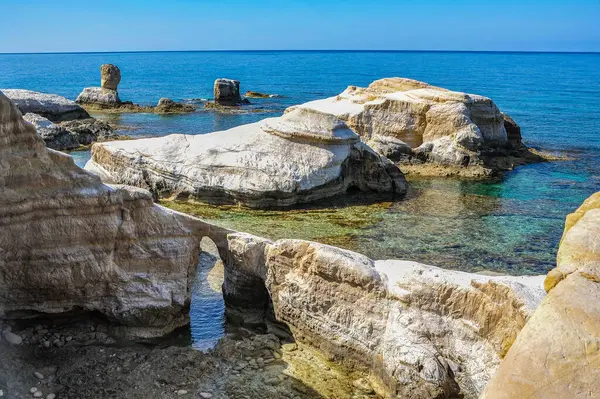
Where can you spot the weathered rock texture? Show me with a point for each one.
(443, 127)
(71, 243)
(110, 76)
(50, 106)
(557, 355)
(302, 157)
(168, 106)
(99, 96)
(424, 332)
(70, 134)
(227, 92)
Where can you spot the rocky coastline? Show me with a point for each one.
(99, 269)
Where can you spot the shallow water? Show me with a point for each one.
(511, 226)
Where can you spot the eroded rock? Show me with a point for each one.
(298, 158)
(110, 76)
(556, 355)
(227, 92)
(50, 106)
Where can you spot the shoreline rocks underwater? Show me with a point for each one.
(307, 320)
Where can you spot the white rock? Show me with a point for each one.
(38, 394)
(206, 395)
(38, 375)
(33, 390)
(264, 164)
(51, 106)
(182, 392)
(98, 95)
(51, 396)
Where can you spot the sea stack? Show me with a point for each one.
(106, 95)
(227, 92)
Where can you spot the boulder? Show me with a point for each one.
(110, 76)
(421, 331)
(391, 147)
(442, 127)
(71, 243)
(301, 157)
(99, 96)
(557, 353)
(168, 106)
(88, 131)
(227, 92)
(50, 106)
(54, 135)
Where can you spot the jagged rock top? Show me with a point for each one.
(52, 106)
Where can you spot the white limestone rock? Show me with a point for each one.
(99, 96)
(70, 242)
(51, 106)
(298, 158)
(441, 126)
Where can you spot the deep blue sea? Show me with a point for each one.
(512, 226)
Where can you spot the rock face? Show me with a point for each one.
(71, 243)
(88, 131)
(110, 76)
(302, 157)
(442, 127)
(227, 92)
(50, 106)
(557, 353)
(424, 332)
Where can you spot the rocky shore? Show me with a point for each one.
(92, 272)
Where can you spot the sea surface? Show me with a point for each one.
(510, 226)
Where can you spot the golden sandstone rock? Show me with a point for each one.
(557, 354)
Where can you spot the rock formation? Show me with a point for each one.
(168, 106)
(50, 106)
(71, 243)
(463, 133)
(557, 355)
(70, 135)
(424, 332)
(227, 92)
(256, 94)
(107, 94)
(302, 157)
(110, 76)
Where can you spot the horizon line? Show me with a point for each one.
(305, 50)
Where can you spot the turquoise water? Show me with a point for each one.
(512, 226)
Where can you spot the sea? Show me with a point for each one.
(510, 226)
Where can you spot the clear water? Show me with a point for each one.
(513, 225)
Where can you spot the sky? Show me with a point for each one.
(155, 25)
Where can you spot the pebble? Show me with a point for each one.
(363, 385)
(38, 375)
(289, 347)
(276, 355)
(38, 394)
(47, 344)
(205, 395)
(1, 393)
(51, 396)
(182, 392)
(33, 390)
(12, 338)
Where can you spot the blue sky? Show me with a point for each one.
(136, 25)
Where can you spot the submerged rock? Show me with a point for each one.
(302, 157)
(50, 106)
(447, 128)
(71, 243)
(422, 331)
(168, 106)
(256, 94)
(556, 355)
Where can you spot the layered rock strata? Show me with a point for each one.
(557, 355)
(424, 332)
(302, 157)
(71, 243)
(464, 134)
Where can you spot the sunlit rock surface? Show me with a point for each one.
(443, 127)
(557, 355)
(71, 243)
(302, 157)
(422, 331)
(50, 106)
